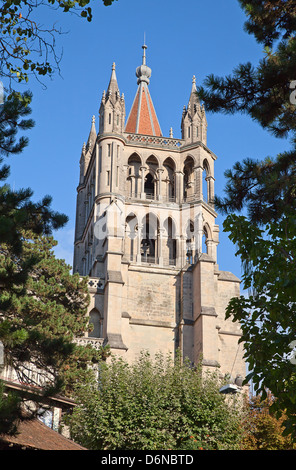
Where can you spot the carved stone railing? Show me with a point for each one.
(96, 343)
(165, 142)
(150, 260)
(150, 197)
(96, 284)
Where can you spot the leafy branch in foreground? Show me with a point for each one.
(265, 192)
(26, 46)
(42, 314)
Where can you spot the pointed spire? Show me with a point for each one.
(193, 104)
(112, 107)
(142, 118)
(193, 116)
(92, 135)
(113, 90)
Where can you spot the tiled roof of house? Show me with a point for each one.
(35, 435)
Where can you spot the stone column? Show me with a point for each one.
(179, 185)
(133, 185)
(212, 249)
(178, 252)
(138, 186)
(198, 171)
(159, 195)
(198, 233)
(140, 229)
(143, 195)
(211, 192)
(183, 239)
(159, 245)
(125, 184)
(97, 171)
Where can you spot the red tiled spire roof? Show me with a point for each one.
(142, 118)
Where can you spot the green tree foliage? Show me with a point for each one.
(263, 91)
(267, 315)
(10, 411)
(42, 306)
(28, 47)
(14, 112)
(264, 191)
(153, 405)
(43, 315)
(26, 280)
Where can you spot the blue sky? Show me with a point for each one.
(184, 39)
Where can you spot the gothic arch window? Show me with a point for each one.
(133, 175)
(170, 248)
(95, 320)
(131, 232)
(152, 165)
(149, 186)
(149, 242)
(190, 243)
(206, 181)
(188, 171)
(205, 237)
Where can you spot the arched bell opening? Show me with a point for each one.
(188, 171)
(169, 250)
(131, 235)
(149, 241)
(190, 243)
(96, 323)
(169, 179)
(149, 186)
(133, 175)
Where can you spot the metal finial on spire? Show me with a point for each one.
(113, 66)
(93, 119)
(143, 72)
(144, 47)
(193, 83)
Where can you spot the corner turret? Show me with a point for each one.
(194, 123)
(112, 108)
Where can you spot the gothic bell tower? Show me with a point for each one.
(146, 234)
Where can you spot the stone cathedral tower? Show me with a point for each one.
(146, 234)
